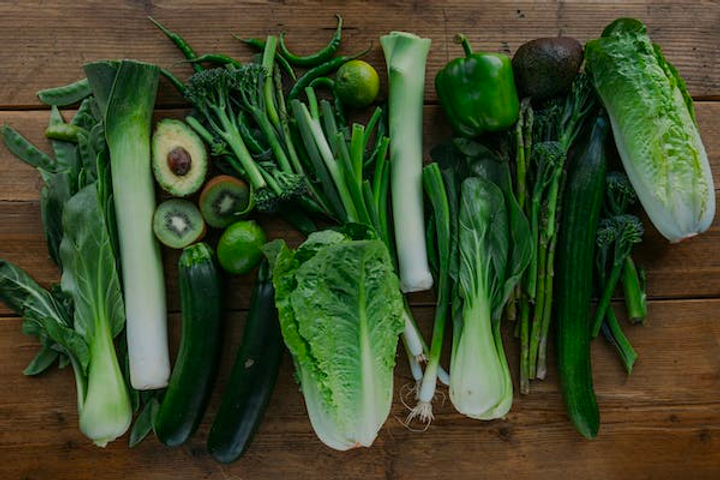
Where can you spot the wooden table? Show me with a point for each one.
(663, 422)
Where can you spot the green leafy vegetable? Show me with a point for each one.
(340, 311)
(480, 382)
(654, 126)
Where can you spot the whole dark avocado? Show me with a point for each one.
(546, 67)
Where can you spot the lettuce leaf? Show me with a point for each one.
(340, 311)
(654, 126)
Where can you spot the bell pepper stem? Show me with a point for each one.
(461, 39)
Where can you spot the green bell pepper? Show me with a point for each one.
(478, 91)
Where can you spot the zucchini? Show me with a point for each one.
(582, 202)
(194, 371)
(253, 376)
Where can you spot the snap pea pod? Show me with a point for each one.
(321, 70)
(259, 44)
(22, 148)
(65, 132)
(180, 43)
(65, 94)
(314, 59)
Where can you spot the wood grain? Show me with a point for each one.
(50, 41)
(665, 409)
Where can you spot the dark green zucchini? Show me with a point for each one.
(582, 201)
(194, 371)
(253, 376)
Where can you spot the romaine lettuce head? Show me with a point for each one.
(653, 122)
(340, 311)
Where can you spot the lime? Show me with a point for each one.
(357, 84)
(238, 249)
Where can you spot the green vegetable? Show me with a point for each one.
(654, 127)
(253, 375)
(477, 92)
(340, 313)
(195, 367)
(180, 43)
(627, 231)
(494, 250)
(314, 59)
(218, 96)
(542, 143)
(91, 278)
(81, 321)
(607, 233)
(582, 201)
(405, 55)
(445, 242)
(321, 70)
(125, 92)
(66, 94)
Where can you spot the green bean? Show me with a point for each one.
(65, 132)
(259, 44)
(314, 59)
(26, 151)
(321, 70)
(217, 58)
(66, 94)
(180, 43)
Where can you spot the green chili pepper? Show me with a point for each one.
(318, 57)
(218, 59)
(478, 92)
(259, 44)
(180, 43)
(321, 70)
(176, 82)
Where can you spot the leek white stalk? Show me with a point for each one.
(405, 55)
(128, 107)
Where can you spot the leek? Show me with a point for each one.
(126, 94)
(405, 55)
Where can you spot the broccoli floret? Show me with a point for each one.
(619, 193)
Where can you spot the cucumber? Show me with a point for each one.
(194, 371)
(253, 376)
(582, 201)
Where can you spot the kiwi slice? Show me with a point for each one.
(178, 223)
(179, 158)
(223, 199)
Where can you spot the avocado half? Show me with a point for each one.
(179, 158)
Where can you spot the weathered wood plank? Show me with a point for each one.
(50, 42)
(666, 409)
